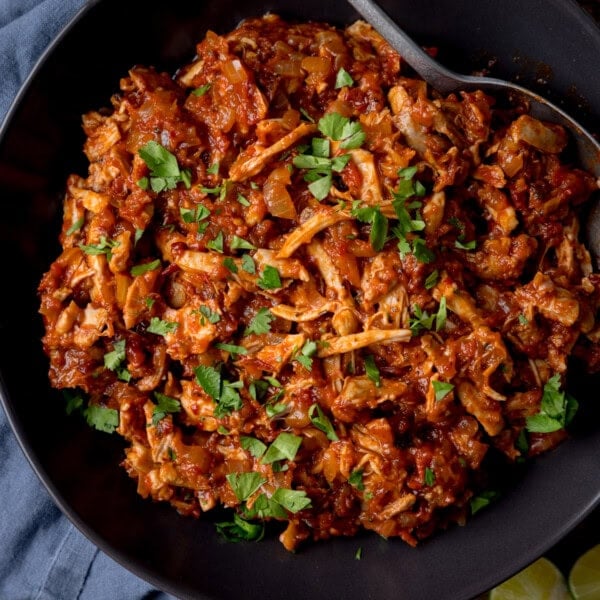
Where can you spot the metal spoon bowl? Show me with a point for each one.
(446, 81)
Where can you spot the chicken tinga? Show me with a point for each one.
(303, 286)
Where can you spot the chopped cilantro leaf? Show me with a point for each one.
(482, 500)
(253, 445)
(557, 409)
(343, 79)
(145, 267)
(441, 315)
(356, 479)
(160, 327)
(105, 246)
(101, 418)
(243, 200)
(164, 405)
(239, 530)
(74, 401)
(238, 243)
(207, 314)
(441, 389)
(371, 370)
(340, 128)
(229, 264)
(270, 279)
(165, 173)
(429, 476)
(209, 380)
(285, 446)
(200, 91)
(292, 500)
(432, 279)
(248, 264)
(260, 323)
(322, 422)
(245, 484)
(77, 225)
(304, 357)
(217, 243)
(231, 348)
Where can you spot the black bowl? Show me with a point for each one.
(548, 45)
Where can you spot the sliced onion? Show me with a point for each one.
(277, 198)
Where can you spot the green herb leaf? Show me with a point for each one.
(209, 380)
(441, 389)
(270, 279)
(275, 409)
(164, 405)
(229, 264)
(217, 243)
(465, 246)
(429, 476)
(304, 357)
(101, 418)
(292, 500)
(238, 243)
(340, 128)
(343, 79)
(243, 200)
(113, 360)
(260, 323)
(165, 173)
(160, 327)
(358, 554)
(322, 422)
(482, 500)
(145, 267)
(105, 246)
(432, 279)
(240, 530)
(248, 264)
(231, 348)
(557, 409)
(285, 446)
(208, 314)
(74, 401)
(200, 91)
(441, 315)
(245, 484)
(252, 445)
(371, 370)
(76, 226)
(356, 479)
(229, 400)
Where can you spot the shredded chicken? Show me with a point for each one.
(319, 296)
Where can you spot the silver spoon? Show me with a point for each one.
(446, 81)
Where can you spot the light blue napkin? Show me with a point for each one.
(42, 555)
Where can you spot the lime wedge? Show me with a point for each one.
(540, 581)
(584, 579)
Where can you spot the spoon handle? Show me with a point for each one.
(440, 78)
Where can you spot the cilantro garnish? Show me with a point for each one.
(101, 418)
(260, 323)
(320, 167)
(378, 221)
(270, 279)
(243, 200)
(160, 327)
(371, 370)
(238, 243)
(429, 476)
(356, 479)
(441, 389)
(254, 446)
(76, 226)
(240, 530)
(557, 409)
(432, 279)
(466, 245)
(164, 405)
(114, 360)
(285, 446)
(145, 267)
(217, 243)
(207, 314)
(105, 246)
(223, 392)
(200, 91)
(229, 264)
(304, 357)
(198, 215)
(322, 422)
(422, 320)
(292, 500)
(74, 401)
(482, 500)
(248, 264)
(245, 484)
(343, 79)
(341, 129)
(231, 348)
(165, 173)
